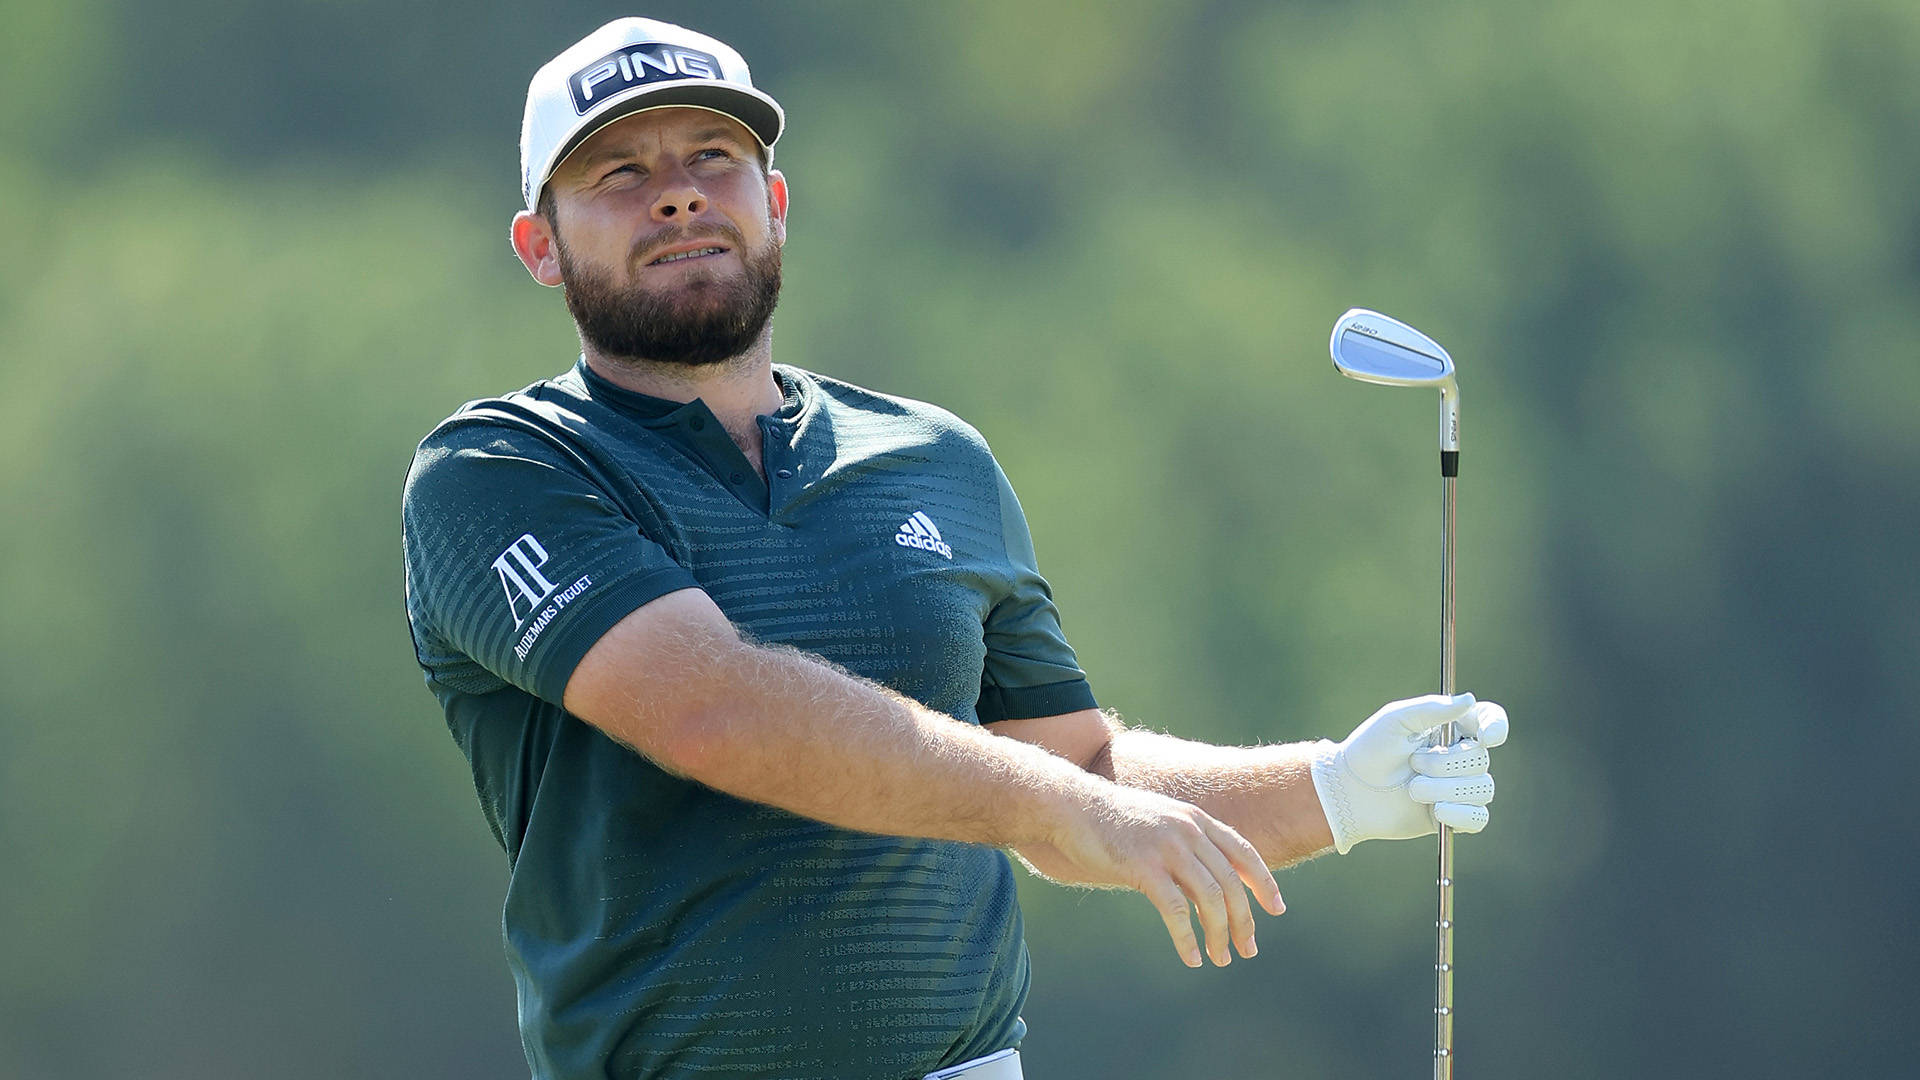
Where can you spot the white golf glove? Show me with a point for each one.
(1386, 783)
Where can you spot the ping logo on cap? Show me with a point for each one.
(632, 65)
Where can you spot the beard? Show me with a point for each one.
(704, 319)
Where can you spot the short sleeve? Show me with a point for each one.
(1030, 669)
(518, 559)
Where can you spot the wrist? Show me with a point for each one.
(1059, 803)
(1329, 783)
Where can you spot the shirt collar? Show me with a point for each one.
(798, 391)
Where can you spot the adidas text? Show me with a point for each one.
(920, 532)
(924, 544)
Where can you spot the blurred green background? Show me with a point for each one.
(258, 250)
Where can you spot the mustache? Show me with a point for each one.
(645, 250)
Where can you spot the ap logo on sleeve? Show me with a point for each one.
(527, 589)
(519, 570)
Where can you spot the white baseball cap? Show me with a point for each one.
(624, 67)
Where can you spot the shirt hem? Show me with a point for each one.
(1029, 702)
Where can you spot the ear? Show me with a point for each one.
(777, 204)
(538, 247)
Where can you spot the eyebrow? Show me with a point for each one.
(715, 133)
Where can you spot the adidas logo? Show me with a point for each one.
(920, 532)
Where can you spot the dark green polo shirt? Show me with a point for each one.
(659, 928)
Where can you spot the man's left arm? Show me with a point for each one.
(1290, 801)
(1295, 801)
(1265, 792)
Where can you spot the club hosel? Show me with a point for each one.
(1450, 430)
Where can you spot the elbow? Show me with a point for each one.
(1102, 762)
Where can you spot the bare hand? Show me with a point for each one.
(1182, 859)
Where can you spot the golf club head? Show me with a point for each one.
(1376, 348)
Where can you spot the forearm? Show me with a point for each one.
(1264, 792)
(778, 726)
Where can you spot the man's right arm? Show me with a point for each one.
(675, 682)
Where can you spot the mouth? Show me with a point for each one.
(688, 255)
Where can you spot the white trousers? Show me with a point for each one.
(1001, 1065)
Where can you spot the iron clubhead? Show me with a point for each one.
(1376, 348)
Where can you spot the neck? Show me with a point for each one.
(737, 389)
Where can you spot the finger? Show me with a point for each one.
(1464, 758)
(1209, 902)
(1247, 862)
(1239, 910)
(1174, 911)
(1417, 716)
(1486, 721)
(1460, 817)
(1469, 790)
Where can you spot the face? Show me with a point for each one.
(665, 236)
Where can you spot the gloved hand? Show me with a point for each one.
(1386, 783)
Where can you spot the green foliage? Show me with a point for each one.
(1675, 249)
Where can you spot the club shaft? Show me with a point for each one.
(1443, 924)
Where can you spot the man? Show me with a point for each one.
(756, 672)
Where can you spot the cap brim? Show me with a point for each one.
(755, 111)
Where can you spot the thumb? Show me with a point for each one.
(1487, 722)
(1378, 749)
(1417, 716)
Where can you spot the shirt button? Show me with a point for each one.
(697, 422)
(737, 478)
(785, 474)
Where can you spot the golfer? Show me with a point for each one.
(758, 676)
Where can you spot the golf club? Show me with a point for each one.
(1374, 348)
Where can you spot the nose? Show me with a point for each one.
(678, 204)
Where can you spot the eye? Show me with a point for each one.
(712, 153)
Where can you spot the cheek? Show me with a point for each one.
(749, 205)
(606, 233)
